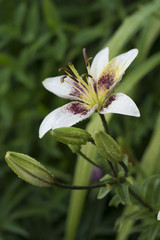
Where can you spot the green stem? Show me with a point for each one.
(75, 187)
(139, 199)
(123, 165)
(113, 169)
(104, 122)
(90, 161)
(62, 185)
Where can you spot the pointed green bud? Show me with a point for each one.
(29, 169)
(74, 148)
(71, 135)
(108, 147)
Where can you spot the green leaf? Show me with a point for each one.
(32, 23)
(121, 37)
(103, 191)
(153, 232)
(138, 73)
(148, 36)
(19, 16)
(15, 228)
(51, 15)
(150, 191)
(115, 201)
(130, 26)
(150, 161)
(123, 192)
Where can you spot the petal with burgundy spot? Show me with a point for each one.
(115, 69)
(66, 116)
(99, 63)
(68, 89)
(118, 65)
(121, 104)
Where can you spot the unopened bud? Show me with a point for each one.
(108, 147)
(29, 169)
(71, 135)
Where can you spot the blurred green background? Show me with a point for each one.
(36, 39)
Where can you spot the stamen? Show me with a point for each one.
(62, 79)
(83, 83)
(73, 78)
(85, 97)
(70, 63)
(78, 80)
(88, 61)
(87, 91)
(86, 75)
(85, 56)
(66, 70)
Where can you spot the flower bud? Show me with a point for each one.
(108, 147)
(71, 135)
(29, 169)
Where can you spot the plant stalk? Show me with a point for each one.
(104, 122)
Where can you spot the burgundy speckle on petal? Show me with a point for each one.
(105, 81)
(109, 100)
(77, 108)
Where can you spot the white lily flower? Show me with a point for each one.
(92, 91)
(158, 216)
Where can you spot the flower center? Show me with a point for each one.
(85, 87)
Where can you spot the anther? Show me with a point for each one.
(86, 75)
(65, 70)
(74, 79)
(88, 60)
(85, 55)
(70, 63)
(62, 79)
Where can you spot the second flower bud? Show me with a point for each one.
(71, 135)
(108, 147)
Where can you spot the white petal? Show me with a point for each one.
(122, 62)
(122, 104)
(158, 216)
(99, 63)
(62, 89)
(65, 116)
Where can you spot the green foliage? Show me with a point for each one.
(148, 227)
(127, 32)
(104, 191)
